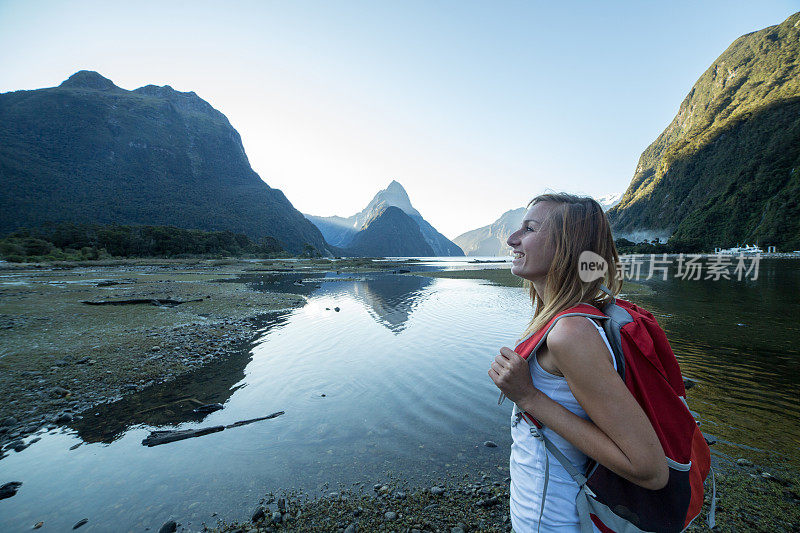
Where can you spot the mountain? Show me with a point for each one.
(490, 241)
(341, 232)
(88, 151)
(389, 233)
(727, 168)
(609, 200)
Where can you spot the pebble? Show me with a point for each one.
(64, 418)
(488, 502)
(490, 444)
(169, 527)
(390, 515)
(258, 515)
(9, 421)
(277, 517)
(58, 392)
(743, 462)
(37, 525)
(81, 522)
(437, 491)
(350, 529)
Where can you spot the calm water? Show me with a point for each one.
(394, 382)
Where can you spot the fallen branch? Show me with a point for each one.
(150, 301)
(163, 437)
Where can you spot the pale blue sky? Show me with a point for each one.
(474, 107)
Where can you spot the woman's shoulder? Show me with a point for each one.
(573, 334)
(571, 329)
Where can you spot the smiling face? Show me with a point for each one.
(532, 245)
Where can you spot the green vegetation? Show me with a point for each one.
(624, 246)
(79, 242)
(89, 152)
(725, 171)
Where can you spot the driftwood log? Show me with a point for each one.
(163, 437)
(149, 301)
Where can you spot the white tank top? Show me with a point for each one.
(527, 462)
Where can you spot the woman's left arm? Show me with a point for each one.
(619, 435)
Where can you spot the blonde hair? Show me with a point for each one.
(575, 224)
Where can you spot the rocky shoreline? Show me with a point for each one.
(748, 499)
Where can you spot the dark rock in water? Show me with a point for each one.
(282, 505)
(18, 445)
(490, 444)
(209, 408)
(9, 421)
(336, 309)
(258, 515)
(64, 418)
(169, 527)
(9, 489)
(81, 522)
(37, 525)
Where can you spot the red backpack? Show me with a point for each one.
(647, 365)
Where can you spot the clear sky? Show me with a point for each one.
(474, 107)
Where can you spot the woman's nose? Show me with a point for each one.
(512, 239)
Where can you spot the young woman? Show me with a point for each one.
(571, 384)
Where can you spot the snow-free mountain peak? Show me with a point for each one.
(341, 232)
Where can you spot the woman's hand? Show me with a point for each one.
(512, 375)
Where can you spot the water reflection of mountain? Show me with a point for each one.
(173, 403)
(389, 299)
